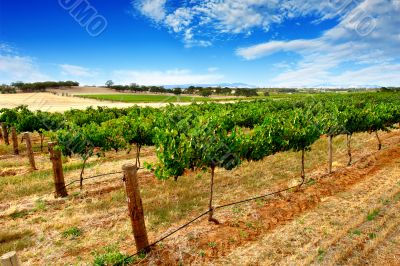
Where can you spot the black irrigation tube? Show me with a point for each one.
(95, 176)
(215, 208)
(91, 177)
(170, 234)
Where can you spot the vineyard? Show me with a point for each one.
(174, 148)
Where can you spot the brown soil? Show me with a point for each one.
(207, 243)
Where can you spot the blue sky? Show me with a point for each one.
(268, 43)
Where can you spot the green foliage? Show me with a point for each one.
(177, 91)
(109, 83)
(210, 135)
(72, 233)
(5, 89)
(42, 86)
(205, 93)
(19, 214)
(372, 215)
(111, 256)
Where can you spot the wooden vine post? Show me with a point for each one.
(330, 153)
(29, 150)
(379, 140)
(14, 137)
(5, 134)
(135, 207)
(210, 204)
(349, 149)
(303, 171)
(10, 259)
(55, 157)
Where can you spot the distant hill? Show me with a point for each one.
(223, 85)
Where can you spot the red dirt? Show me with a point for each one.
(218, 240)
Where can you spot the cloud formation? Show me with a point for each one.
(168, 77)
(77, 71)
(198, 22)
(367, 38)
(14, 67)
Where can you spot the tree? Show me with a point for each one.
(109, 83)
(177, 91)
(205, 93)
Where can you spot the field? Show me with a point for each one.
(45, 101)
(84, 97)
(142, 98)
(349, 217)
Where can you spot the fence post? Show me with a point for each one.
(55, 157)
(135, 207)
(10, 259)
(5, 134)
(29, 150)
(330, 155)
(14, 137)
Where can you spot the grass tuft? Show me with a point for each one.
(72, 233)
(112, 256)
(372, 215)
(19, 214)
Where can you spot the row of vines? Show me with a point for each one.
(210, 135)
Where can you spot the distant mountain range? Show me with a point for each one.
(223, 85)
(336, 86)
(244, 85)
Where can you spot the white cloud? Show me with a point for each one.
(207, 19)
(6, 48)
(169, 77)
(18, 68)
(154, 9)
(213, 69)
(77, 71)
(268, 48)
(180, 19)
(365, 37)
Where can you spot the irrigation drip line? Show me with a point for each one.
(215, 208)
(171, 233)
(95, 176)
(259, 197)
(91, 177)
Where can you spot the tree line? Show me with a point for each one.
(192, 90)
(35, 86)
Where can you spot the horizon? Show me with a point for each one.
(268, 44)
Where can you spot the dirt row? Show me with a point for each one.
(306, 226)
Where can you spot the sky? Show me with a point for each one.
(265, 43)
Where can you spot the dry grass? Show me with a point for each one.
(45, 101)
(99, 210)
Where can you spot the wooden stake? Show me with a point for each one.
(303, 171)
(210, 204)
(29, 150)
(10, 259)
(135, 207)
(349, 149)
(330, 153)
(379, 141)
(5, 134)
(55, 157)
(41, 141)
(14, 137)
